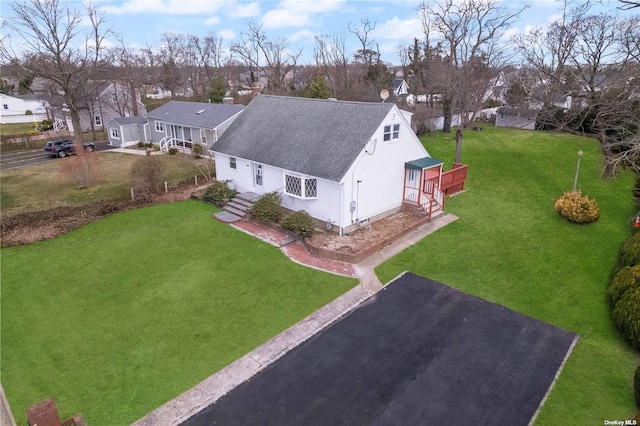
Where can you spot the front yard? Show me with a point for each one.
(119, 316)
(510, 247)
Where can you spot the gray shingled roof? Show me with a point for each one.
(123, 121)
(186, 113)
(316, 137)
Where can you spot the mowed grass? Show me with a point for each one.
(120, 316)
(43, 186)
(510, 247)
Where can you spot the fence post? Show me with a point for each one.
(196, 176)
(132, 197)
(166, 188)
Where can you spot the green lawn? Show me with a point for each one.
(117, 317)
(42, 186)
(509, 246)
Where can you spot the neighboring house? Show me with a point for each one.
(520, 118)
(13, 109)
(181, 124)
(126, 131)
(400, 87)
(106, 100)
(345, 163)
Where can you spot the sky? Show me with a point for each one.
(141, 23)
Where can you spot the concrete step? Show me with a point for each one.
(227, 217)
(240, 205)
(231, 209)
(251, 197)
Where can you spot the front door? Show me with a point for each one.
(257, 174)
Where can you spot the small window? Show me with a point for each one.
(232, 163)
(98, 120)
(114, 97)
(5, 106)
(115, 133)
(391, 132)
(159, 126)
(203, 136)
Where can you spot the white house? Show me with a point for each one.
(400, 87)
(345, 163)
(14, 109)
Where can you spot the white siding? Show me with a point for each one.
(380, 170)
(325, 207)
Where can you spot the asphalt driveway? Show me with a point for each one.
(418, 352)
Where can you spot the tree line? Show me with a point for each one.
(592, 57)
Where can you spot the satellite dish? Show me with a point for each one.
(384, 94)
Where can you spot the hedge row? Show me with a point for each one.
(623, 293)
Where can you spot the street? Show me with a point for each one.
(27, 158)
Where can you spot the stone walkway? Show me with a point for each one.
(219, 384)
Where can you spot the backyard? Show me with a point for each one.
(119, 316)
(510, 247)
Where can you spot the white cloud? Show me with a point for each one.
(211, 21)
(301, 35)
(295, 13)
(227, 34)
(243, 10)
(399, 29)
(510, 33)
(171, 7)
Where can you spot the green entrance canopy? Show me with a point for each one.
(422, 163)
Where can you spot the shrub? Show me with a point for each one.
(626, 316)
(219, 193)
(577, 208)
(147, 174)
(155, 147)
(625, 279)
(45, 125)
(173, 151)
(299, 222)
(141, 144)
(84, 169)
(636, 386)
(267, 209)
(28, 112)
(630, 254)
(197, 150)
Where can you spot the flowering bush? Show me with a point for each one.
(577, 208)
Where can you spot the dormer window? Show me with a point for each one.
(391, 132)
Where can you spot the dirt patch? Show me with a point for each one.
(365, 241)
(27, 228)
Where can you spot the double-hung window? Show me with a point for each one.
(300, 187)
(98, 120)
(391, 132)
(232, 163)
(115, 133)
(159, 126)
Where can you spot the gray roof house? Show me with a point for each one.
(342, 162)
(126, 131)
(180, 124)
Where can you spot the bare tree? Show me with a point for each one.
(333, 61)
(56, 47)
(470, 33)
(266, 57)
(590, 61)
(171, 56)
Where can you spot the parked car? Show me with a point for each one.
(62, 148)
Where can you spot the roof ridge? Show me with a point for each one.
(326, 100)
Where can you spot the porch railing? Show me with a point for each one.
(453, 180)
(429, 200)
(179, 144)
